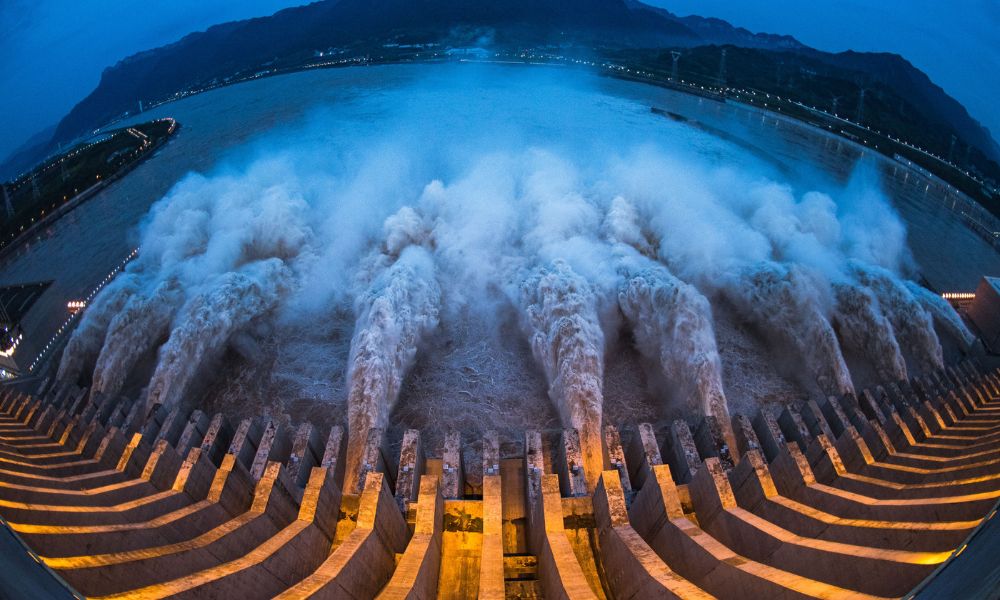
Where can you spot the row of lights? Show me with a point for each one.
(13, 347)
(134, 132)
(606, 65)
(959, 295)
(897, 140)
(23, 178)
(81, 303)
(624, 69)
(754, 93)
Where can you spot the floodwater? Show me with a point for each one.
(230, 125)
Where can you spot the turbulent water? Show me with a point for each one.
(670, 319)
(395, 314)
(943, 314)
(864, 328)
(334, 261)
(88, 338)
(672, 324)
(134, 330)
(209, 321)
(561, 321)
(912, 324)
(780, 301)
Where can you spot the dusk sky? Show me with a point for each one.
(52, 52)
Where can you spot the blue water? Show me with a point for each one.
(230, 125)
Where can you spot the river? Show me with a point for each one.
(227, 128)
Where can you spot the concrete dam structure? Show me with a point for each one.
(872, 494)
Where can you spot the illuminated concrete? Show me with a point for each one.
(858, 496)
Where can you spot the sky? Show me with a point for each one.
(52, 52)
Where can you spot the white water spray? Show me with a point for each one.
(784, 306)
(88, 338)
(560, 318)
(670, 320)
(864, 328)
(912, 324)
(134, 331)
(943, 313)
(207, 323)
(395, 313)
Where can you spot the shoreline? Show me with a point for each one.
(636, 75)
(77, 200)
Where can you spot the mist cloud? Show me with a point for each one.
(343, 247)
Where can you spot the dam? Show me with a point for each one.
(383, 337)
(860, 495)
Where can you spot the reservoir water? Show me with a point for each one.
(342, 114)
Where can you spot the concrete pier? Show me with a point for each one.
(853, 496)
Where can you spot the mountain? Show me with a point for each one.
(299, 32)
(907, 81)
(719, 32)
(293, 36)
(27, 154)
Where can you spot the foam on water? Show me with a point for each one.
(431, 233)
